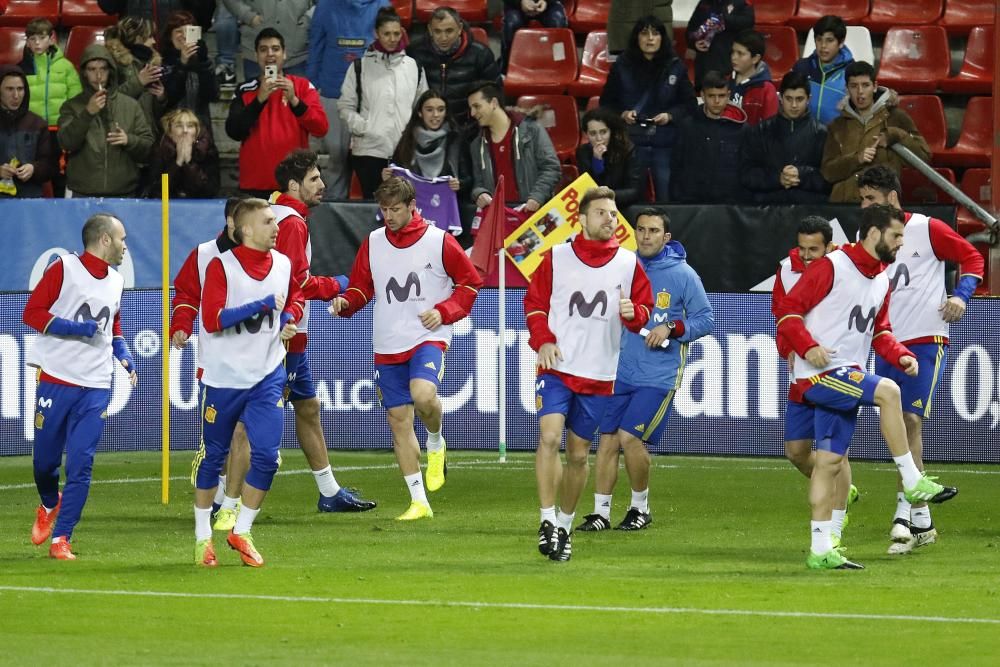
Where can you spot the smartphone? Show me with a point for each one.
(270, 72)
(192, 34)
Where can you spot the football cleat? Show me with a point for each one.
(594, 522)
(225, 520)
(547, 541)
(41, 530)
(61, 551)
(635, 520)
(564, 546)
(831, 560)
(416, 510)
(437, 468)
(345, 500)
(853, 495)
(835, 540)
(920, 537)
(927, 490)
(204, 553)
(900, 531)
(244, 545)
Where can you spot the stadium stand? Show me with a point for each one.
(405, 10)
(774, 12)
(681, 49)
(887, 14)
(976, 74)
(12, 41)
(975, 141)
(560, 119)
(852, 11)
(961, 16)
(83, 12)
(80, 37)
(19, 12)
(975, 183)
(594, 66)
(918, 189)
(782, 49)
(859, 41)
(473, 11)
(914, 59)
(928, 113)
(569, 174)
(589, 15)
(542, 62)
(479, 34)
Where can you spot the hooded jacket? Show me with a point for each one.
(704, 164)
(850, 134)
(390, 86)
(826, 83)
(678, 296)
(95, 167)
(130, 60)
(25, 136)
(536, 166)
(289, 17)
(756, 95)
(52, 79)
(338, 35)
(777, 143)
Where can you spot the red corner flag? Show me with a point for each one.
(491, 234)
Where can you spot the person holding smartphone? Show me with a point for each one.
(188, 72)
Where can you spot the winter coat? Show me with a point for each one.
(390, 86)
(536, 166)
(456, 162)
(455, 75)
(192, 86)
(737, 16)
(624, 13)
(826, 83)
(849, 135)
(649, 90)
(339, 33)
(25, 136)
(52, 79)
(95, 167)
(289, 17)
(704, 164)
(130, 60)
(776, 143)
(198, 179)
(756, 95)
(625, 178)
(678, 296)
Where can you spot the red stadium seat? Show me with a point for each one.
(774, 12)
(918, 189)
(961, 16)
(12, 41)
(589, 15)
(405, 10)
(975, 142)
(83, 12)
(914, 59)
(356, 193)
(19, 12)
(569, 174)
(681, 48)
(593, 102)
(887, 14)
(782, 49)
(80, 37)
(479, 35)
(542, 62)
(594, 66)
(473, 11)
(975, 183)
(928, 114)
(976, 75)
(560, 118)
(810, 11)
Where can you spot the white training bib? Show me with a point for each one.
(917, 282)
(786, 276)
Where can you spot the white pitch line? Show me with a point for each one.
(510, 605)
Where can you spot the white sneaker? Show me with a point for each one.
(900, 531)
(923, 537)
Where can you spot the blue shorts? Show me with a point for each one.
(837, 397)
(583, 412)
(299, 386)
(917, 392)
(799, 421)
(641, 411)
(392, 381)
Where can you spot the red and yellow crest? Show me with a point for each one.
(856, 376)
(663, 300)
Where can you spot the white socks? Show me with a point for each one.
(565, 521)
(326, 482)
(921, 517)
(602, 505)
(902, 507)
(202, 523)
(434, 441)
(837, 522)
(640, 500)
(549, 514)
(229, 503)
(820, 531)
(220, 490)
(907, 470)
(245, 519)
(415, 483)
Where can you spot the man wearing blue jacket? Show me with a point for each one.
(650, 370)
(825, 68)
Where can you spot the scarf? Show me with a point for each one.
(430, 150)
(377, 45)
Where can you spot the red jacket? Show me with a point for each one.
(270, 131)
(187, 289)
(257, 264)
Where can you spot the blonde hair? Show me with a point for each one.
(242, 211)
(177, 114)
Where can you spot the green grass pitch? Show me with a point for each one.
(718, 579)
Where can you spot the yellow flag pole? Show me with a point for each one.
(165, 337)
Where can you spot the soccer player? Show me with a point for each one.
(76, 308)
(833, 316)
(648, 373)
(424, 283)
(579, 299)
(815, 240)
(920, 312)
(250, 303)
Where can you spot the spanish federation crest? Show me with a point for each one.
(663, 299)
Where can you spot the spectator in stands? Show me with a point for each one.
(336, 38)
(187, 154)
(648, 85)
(780, 158)
(870, 122)
(609, 156)
(705, 160)
(27, 150)
(453, 62)
(377, 98)
(104, 132)
(140, 67)
(511, 145)
(188, 73)
(227, 41)
(710, 32)
(289, 17)
(752, 89)
(518, 13)
(623, 15)
(825, 68)
(156, 11)
(431, 145)
(271, 116)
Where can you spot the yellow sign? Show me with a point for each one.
(556, 222)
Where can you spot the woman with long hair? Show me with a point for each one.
(430, 144)
(609, 156)
(188, 72)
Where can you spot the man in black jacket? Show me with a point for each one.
(780, 158)
(27, 152)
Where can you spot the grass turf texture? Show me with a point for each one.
(719, 578)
